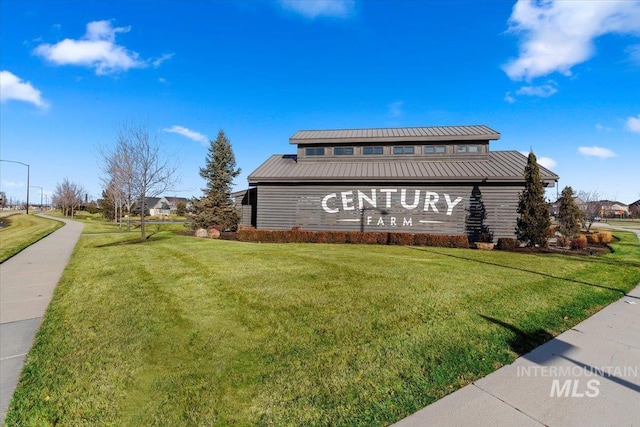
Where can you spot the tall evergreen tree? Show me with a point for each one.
(533, 224)
(569, 214)
(215, 208)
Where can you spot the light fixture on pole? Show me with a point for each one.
(24, 164)
(41, 190)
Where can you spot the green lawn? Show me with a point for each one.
(184, 331)
(624, 223)
(19, 231)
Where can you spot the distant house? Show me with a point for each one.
(634, 209)
(613, 209)
(163, 206)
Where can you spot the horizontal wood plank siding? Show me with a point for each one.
(281, 207)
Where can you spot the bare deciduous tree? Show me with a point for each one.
(137, 168)
(118, 175)
(590, 206)
(68, 196)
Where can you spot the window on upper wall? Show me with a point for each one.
(467, 149)
(435, 149)
(343, 151)
(314, 151)
(372, 150)
(403, 150)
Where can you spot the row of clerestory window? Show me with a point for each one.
(427, 149)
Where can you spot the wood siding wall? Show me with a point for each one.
(281, 207)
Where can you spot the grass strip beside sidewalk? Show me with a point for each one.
(19, 231)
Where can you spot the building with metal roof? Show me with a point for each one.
(439, 180)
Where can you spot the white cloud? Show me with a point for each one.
(543, 91)
(602, 128)
(556, 35)
(12, 87)
(633, 124)
(96, 49)
(193, 135)
(315, 8)
(547, 162)
(395, 109)
(594, 151)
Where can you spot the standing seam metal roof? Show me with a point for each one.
(476, 132)
(497, 166)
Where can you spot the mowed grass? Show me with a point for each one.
(624, 223)
(184, 331)
(19, 231)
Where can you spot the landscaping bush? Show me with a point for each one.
(507, 244)
(402, 239)
(605, 237)
(358, 237)
(563, 241)
(579, 242)
(296, 235)
(382, 238)
(601, 237)
(440, 240)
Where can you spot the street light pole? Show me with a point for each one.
(24, 164)
(35, 186)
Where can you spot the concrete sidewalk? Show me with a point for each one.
(27, 281)
(587, 376)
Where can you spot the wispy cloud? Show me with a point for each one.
(96, 49)
(633, 124)
(556, 35)
(542, 91)
(602, 128)
(633, 52)
(312, 9)
(158, 61)
(12, 184)
(193, 135)
(13, 87)
(594, 151)
(395, 109)
(509, 98)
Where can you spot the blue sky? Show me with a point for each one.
(559, 77)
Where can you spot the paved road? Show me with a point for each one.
(27, 281)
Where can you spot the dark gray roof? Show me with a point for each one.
(504, 166)
(432, 133)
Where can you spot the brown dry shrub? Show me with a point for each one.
(403, 239)
(579, 242)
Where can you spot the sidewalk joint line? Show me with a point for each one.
(510, 405)
(14, 356)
